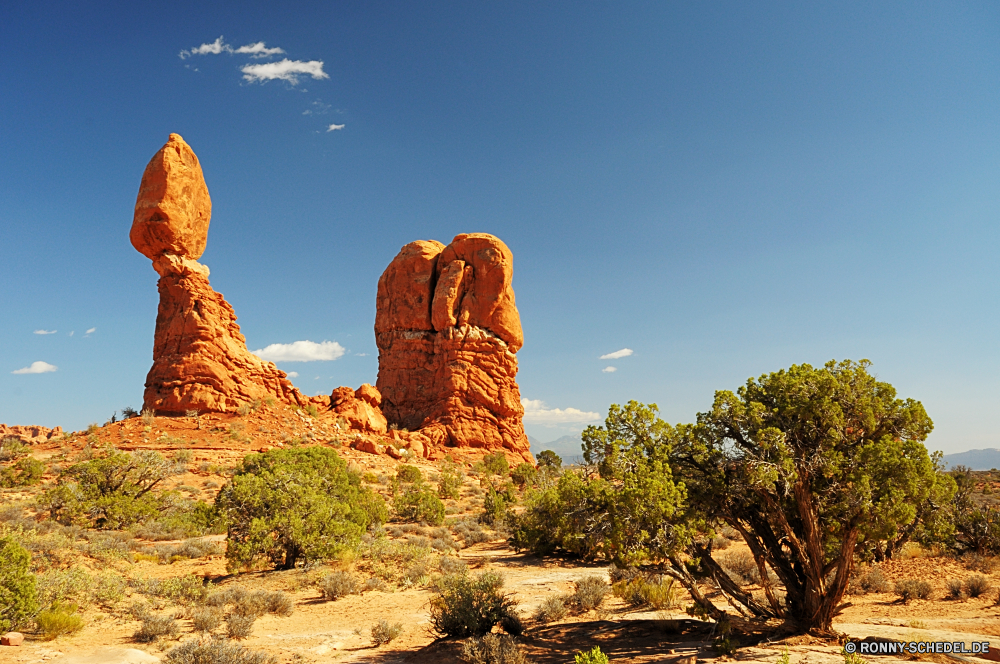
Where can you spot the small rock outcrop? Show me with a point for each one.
(360, 408)
(447, 330)
(200, 358)
(30, 434)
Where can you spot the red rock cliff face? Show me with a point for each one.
(447, 330)
(200, 358)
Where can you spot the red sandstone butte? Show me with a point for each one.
(200, 358)
(447, 330)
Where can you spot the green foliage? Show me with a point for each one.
(57, 620)
(656, 593)
(182, 519)
(17, 585)
(290, 504)
(589, 592)
(418, 503)
(385, 632)
(496, 506)
(11, 448)
(450, 480)
(547, 459)
(493, 649)
(523, 475)
(977, 527)
(339, 584)
(154, 626)
(474, 606)
(113, 491)
(496, 464)
(26, 472)
(550, 610)
(594, 656)
(409, 474)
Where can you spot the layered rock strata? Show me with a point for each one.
(29, 433)
(200, 358)
(447, 331)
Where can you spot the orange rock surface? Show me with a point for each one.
(29, 434)
(447, 330)
(173, 208)
(200, 358)
(359, 407)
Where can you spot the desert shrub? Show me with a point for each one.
(720, 543)
(471, 532)
(658, 592)
(976, 585)
(409, 474)
(913, 589)
(183, 519)
(496, 507)
(112, 491)
(26, 472)
(183, 589)
(523, 475)
(551, 609)
(872, 580)
(249, 604)
(57, 620)
(153, 627)
(383, 632)
(108, 589)
(110, 546)
(474, 606)
(493, 649)
(61, 585)
(741, 567)
(418, 503)
(449, 481)
(339, 584)
(375, 583)
(453, 565)
(954, 589)
(496, 463)
(296, 503)
(18, 600)
(557, 518)
(240, 626)
(594, 656)
(206, 618)
(12, 448)
(192, 548)
(216, 651)
(443, 544)
(589, 593)
(418, 573)
(278, 603)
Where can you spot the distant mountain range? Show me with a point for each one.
(987, 459)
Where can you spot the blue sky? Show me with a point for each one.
(725, 189)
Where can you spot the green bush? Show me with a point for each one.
(17, 585)
(474, 606)
(496, 463)
(523, 475)
(26, 472)
(418, 503)
(496, 507)
(58, 620)
(113, 491)
(216, 651)
(298, 503)
(548, 460)
(450, 481)
(594, 656)
(409, 474)
(11, 448)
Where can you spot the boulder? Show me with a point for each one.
(12, 639)
(448, 367)
(360, 408)
(173, 208)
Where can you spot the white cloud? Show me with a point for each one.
(334, 127)
(618, 354)
(46, 331)
(285, 70)
(361, 354)
(216, 47)
(535, 411)
(36, 368)
(301, 351)
(609, 369)
(259, 50)
(292, 374)
(91, 330)
(72, 333)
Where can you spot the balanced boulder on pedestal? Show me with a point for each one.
(200, 358)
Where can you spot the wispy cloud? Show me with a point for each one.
(536, 411)
(255, 50)
(301, 351)
(361, 354)
(259, 50)
(284, 70)
(46, 331)
(90, 331)
(618, 354)
(292, 374)
(36, 368)
(609, 369)
(317, 108)
(334, 127)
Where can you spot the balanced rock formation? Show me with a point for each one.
(200, 358)
(447, 331)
